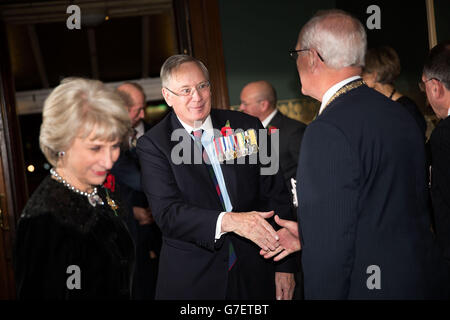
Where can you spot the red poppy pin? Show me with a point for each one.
(110, 182)
(226, 130)
(272, 129)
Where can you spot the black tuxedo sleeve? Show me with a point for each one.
(128, 174)
(440, 182)
(295, 143)
(176, 218)
(327, 186)
(127, 171)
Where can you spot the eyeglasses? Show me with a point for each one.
(422, 84)
(189, 91)
(295, 53)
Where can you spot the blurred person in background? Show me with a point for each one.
(139, 219)
(436, 84)
(382, 67)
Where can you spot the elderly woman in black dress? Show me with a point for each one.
(71, 242)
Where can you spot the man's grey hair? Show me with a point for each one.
(125, 96)
(174, 62)
(437, 64)
(338, 37)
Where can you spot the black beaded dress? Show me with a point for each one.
(67, 249)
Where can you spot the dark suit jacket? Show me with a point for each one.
(186, 206)
(290, 138)
(440, 183)
(146, 237)
(127, 172)
(413, 109)
(363, 202)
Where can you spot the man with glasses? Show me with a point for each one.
(436, 84)
(363, 218)
(211, 235)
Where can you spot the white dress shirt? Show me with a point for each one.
(267, 120)
(140, 130)
(207, 141)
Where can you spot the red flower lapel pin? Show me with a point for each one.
(110, 182)
(272, 129)
(226, 130)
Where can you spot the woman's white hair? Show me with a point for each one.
(338, 37)
(74, 109)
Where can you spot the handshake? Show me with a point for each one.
(253, 226)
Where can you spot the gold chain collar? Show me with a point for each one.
(348, 87)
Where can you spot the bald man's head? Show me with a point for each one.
(258, 99)
(134, 98)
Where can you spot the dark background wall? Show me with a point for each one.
(442, 9)
(404, 28)
(257, 36)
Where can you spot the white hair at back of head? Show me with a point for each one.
(338, 37)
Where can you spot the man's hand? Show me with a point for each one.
(253, 226)
(143, 215)
(289, 240)
(285, 285)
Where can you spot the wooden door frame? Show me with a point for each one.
(199, 34)
(13, 184)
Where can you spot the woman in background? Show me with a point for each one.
(380, 71)
(71, 242)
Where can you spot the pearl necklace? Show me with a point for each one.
(93, 197)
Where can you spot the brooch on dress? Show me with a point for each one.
(95, 200)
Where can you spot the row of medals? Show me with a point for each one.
(237, 150)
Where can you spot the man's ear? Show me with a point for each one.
(435, 90)
(264, 105)
(314, 60)
(438, 89)
(373, 77)
(167, 96)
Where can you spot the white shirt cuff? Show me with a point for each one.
(219, 226)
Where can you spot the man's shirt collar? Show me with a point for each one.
(206, 125)
(330, 92)
(267, 120)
